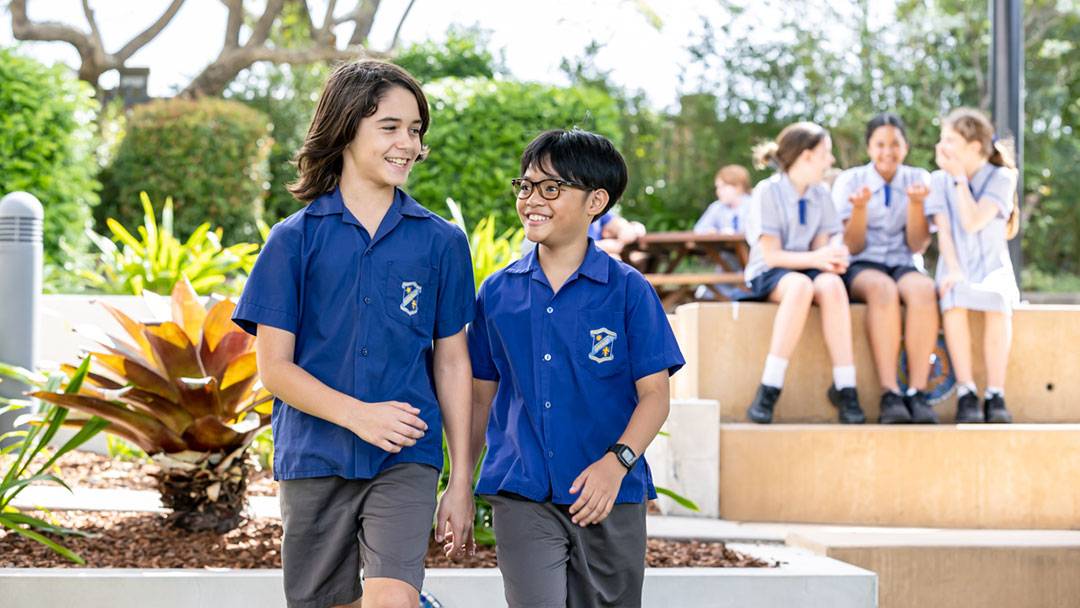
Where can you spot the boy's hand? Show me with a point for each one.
(860, 197)
(389, 425)
(598, 486)
(454, 520)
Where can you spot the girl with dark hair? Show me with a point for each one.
(881, 204)
(796, 259)
(974, 204)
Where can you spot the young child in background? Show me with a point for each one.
(973, 202)
(796, 259)
(727, 214)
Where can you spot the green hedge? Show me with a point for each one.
(46, 145)
(478, 131)
(210, 155)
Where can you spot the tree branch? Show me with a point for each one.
(149, 33)
(235, 21)
(262, 27)
(401, 22)
(94, 31)
(364, 16)
(328, 20)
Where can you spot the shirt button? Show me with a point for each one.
(363, 352)
(550, 310)
(551, 454)
(367, 300)
(368, 252)
(547, 404)
(547, 357)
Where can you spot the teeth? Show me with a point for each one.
(401, 162)
(537, 218)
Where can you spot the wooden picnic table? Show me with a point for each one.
(665, 251)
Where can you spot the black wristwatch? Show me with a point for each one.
(625, 454)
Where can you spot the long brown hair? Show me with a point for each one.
(789, 145)
(351, 93)
(973, 125)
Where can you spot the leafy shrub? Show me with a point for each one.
(46, 145)
(209, 155)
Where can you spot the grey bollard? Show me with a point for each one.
(21, 257)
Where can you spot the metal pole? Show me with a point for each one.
(1007, 91)
(21, 257)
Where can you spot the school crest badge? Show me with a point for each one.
(410, 297)
(602, 340)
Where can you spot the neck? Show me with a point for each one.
(363, 195)
(886, 175)
(800, 182)
(559, 261)
(972, 167)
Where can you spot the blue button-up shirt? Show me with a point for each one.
(566, 365)
(364, 311)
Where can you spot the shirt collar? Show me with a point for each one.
(332, 203)
(874, 181)
(594, 266)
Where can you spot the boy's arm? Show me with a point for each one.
(483, 394)
(453, 385)
(599, 484)
(389, 425)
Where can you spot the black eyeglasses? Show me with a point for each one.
(550, 189)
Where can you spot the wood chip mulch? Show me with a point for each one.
(145, 540)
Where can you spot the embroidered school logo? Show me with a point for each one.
(410, 297)
(602, 340)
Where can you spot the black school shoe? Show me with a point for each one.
(893, 410)
(847, 401)
(921, 410)
(760, 411)
(995, 410)
(968, 409)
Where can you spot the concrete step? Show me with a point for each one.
(725, 345)
(956, 476)
(959, 568)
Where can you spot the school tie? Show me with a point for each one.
(888, 195)
(802, 211)
(735, 223)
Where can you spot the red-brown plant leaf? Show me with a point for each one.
(134, 329)
(156, 437)
(187, 312)
(210, 434)
(176, 353)
(138, 375)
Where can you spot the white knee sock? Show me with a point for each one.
(775, 367)
(994, 390)
(843, 376)
(963, 389)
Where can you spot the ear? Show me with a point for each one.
(598, 199)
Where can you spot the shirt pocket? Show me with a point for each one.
(410, 295)
(599, 343)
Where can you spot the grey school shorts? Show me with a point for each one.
(335, 527)
(547, 561)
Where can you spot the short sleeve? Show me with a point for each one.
(709, 220)
(1001, 189)
(272, 292)
(830, 219)
(841, 191)
(456, 288)
(763, 216)
(936, 202)
(651, 341)
(483, 364)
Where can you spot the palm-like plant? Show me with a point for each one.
(186, 391)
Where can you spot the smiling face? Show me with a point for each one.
(966, 153)
(887, 149)
(560, 221)
(387, 143)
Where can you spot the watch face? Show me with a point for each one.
(626, 455)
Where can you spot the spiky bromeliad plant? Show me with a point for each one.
(186, 391)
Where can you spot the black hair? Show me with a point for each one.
(885, 119)
(579, 156)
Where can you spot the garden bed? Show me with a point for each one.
(127, 539)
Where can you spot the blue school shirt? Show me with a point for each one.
(364, 312)
(724, 218)
(886, 212)
(565, 364)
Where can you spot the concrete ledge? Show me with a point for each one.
(965, 476)
(683, 459)
(960, 569)
(805, 579)
(725, 345)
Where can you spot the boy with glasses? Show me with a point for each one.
(571, 354)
